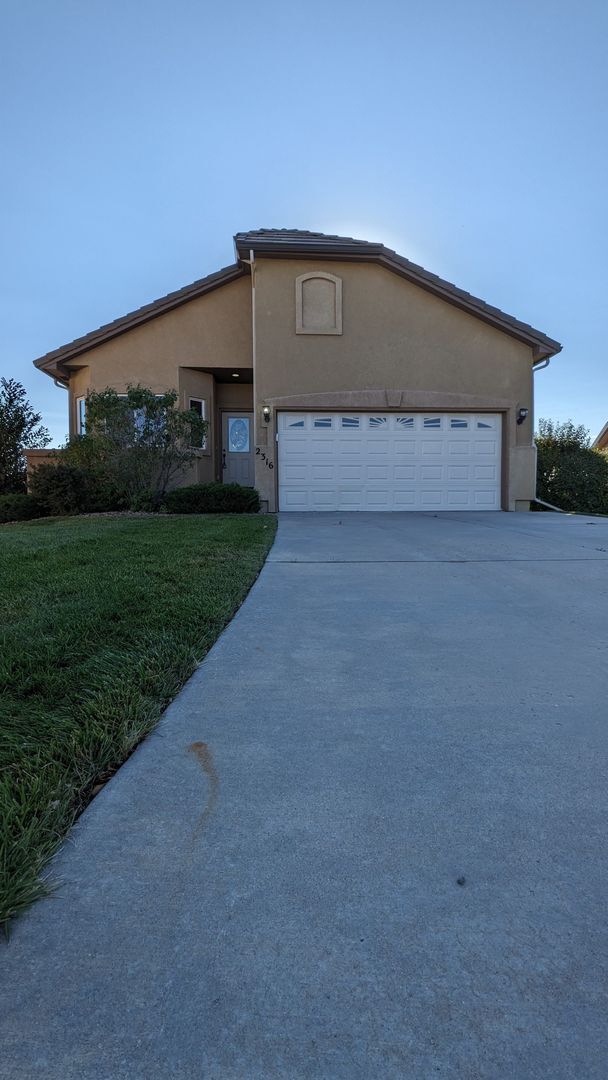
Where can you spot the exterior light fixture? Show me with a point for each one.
(521, 415)
(266, 413)
(235, 375)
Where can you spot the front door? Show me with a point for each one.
(237, 449)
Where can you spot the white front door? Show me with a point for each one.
(237, 448)
(389, 461)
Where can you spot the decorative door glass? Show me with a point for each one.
(238, 434)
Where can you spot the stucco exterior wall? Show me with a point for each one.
(395, 346)
(211, 331)
(395, 337)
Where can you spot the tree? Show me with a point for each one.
(20, 429)
(570, 474)
(138, 442)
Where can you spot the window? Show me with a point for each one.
(198, 406)
(238, 434)
(404, 421)
(322, 422)
(295, 423)
(378, 421)
(481, 424)
(350, 421)
(81, 415)
(432, 421)
(458, 423)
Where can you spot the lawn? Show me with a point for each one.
(102, 619)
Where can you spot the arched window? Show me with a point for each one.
(318, 303)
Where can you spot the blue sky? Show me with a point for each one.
(139, 136)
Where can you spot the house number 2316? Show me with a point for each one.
(260, 453)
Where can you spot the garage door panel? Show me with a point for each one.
(404, 472)
(350, 472)
(389, 461)
(459, 472)
(484, 499)
(404, 499)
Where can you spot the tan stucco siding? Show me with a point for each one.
(211, 331)
(395, 336)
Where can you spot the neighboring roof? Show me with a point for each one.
(284, 242)
(601, 442)
(51, 362)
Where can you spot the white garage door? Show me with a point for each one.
(389, 461)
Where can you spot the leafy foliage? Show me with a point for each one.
(20, 507)
(212, 499)
(20, 429)
(139, 443)
(570, 474)
(64, 488)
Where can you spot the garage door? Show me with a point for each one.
(389, 461)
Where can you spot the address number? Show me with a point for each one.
(260, 453)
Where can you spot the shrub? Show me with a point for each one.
(20, 508)
(70, 489)
(213, 499)
(570, 475)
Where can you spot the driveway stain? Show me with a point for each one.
(204, 757)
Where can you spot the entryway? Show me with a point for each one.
(237, 448)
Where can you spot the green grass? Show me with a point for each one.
(102, 620)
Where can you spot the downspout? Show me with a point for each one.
(250, 262)
(539, 367)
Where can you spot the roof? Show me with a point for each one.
(601, 442)
(51, 362)
(283, 243)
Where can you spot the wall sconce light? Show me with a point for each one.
(521, 415)
(266, 413)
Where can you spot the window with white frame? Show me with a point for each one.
(198, 406)
(81, 415)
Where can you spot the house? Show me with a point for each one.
(335, 375)
(601, 442)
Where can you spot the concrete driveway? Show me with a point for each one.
(368, 839)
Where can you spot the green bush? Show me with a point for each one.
(212, 499)
(71, 489)
(570, 475)
(19, 507)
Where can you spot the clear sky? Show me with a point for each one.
(138, 136)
